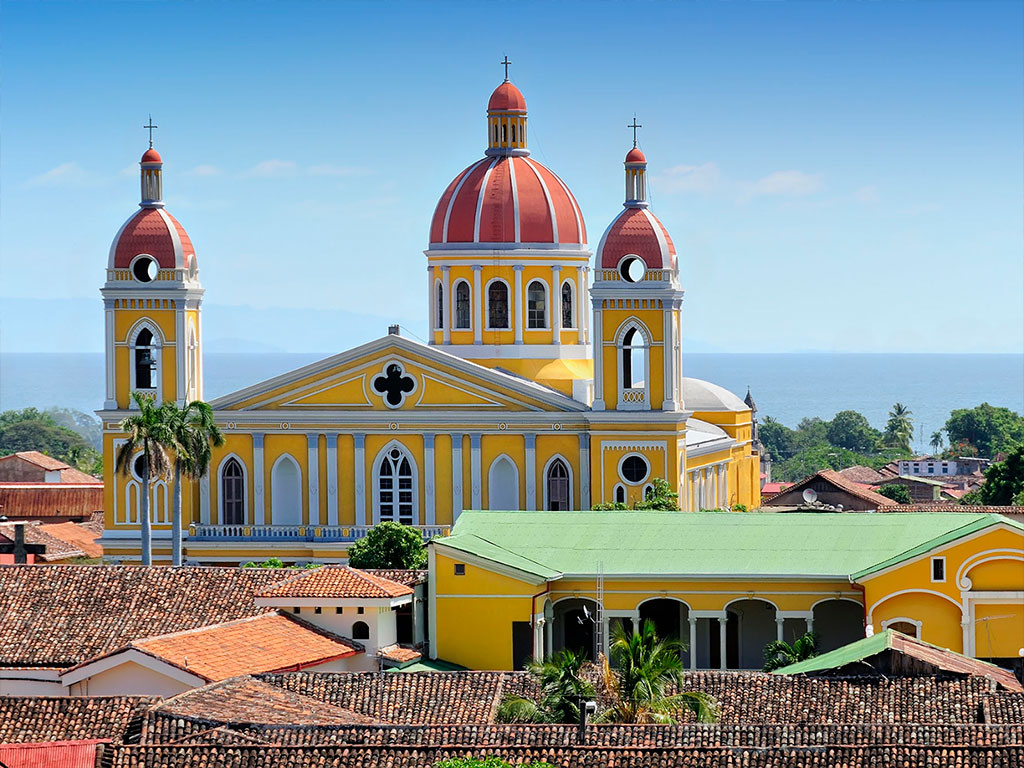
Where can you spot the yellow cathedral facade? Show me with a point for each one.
(552, 380)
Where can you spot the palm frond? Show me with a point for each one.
(516, 709)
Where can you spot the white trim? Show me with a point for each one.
(757, 598)
(544, 478)
(666, 255)
(313, 476)
(179, 256)
(481, 562)
(898, 619)
(455, 194)
(480, 200)
(644, 479)
(455, 303)
(547, 197)
(273, 491)
(401, 373)
(220, 488)
(490, 479)
(580, 229)
(547, 302)
(131, 655)
(530, 469)
(332, 478)
(931, 570)
(986, 556)
(359, 477)
(615, 492)
(572, 298)
(259, 503)
(515, 193)
(156, 349)
(633, 323)
(429, 478)
(487, 305)
(438, 302)
(457, 494)
(396, 517)
(827, 599)
(891, 595)
(474, 470)
(432, 600)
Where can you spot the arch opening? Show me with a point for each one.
(462, 305)
(497, 305)
(503, 485)
(286, 492)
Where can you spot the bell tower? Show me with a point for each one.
(637, 302)
(151, 300)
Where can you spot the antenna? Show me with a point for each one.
(810, 495)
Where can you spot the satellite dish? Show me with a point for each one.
(810, 495)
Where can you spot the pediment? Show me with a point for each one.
(396, 374)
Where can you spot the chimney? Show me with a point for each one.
(393, 330)
(20, 553)
(587, 709)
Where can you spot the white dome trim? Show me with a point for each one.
(700, 395)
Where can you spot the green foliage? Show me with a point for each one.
(274, 562)
(1004, 480)
(642, 670)
(610, 506)
(562, 688)
(739, 508)
(899, 429)
(819, 457)
(936, 441)
(898, 493)
(779, 653)
(389, 545)
(960, 448)
(990, 429)
(33, 430)
(85, 424)
(485, 762)
(851, 430)
(776, 438)
(660, 496)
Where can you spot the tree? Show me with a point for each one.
(851, 430)
(646, 668)
(562, 689)
(810, 431)
(192, 431)
(899, 430)
(936, 441)
(779, 653)
(990, 429)
(660, 496)
(147, 432)
(32, 430)
(485, 762)
(275, 562)
(776, 438)
(898, 493)
(389, 545)
(1004, 480)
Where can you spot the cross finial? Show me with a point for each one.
(634, 125)
(151, 127)
(506, 62)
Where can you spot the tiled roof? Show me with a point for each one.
(56, 549)
(940, 506)
(860, 474)
(66, 718)
(336, 582)
(397, 654)
(39, 501)
(41, 460)
(273, 642)
(61, 754)
(61, 615)
(845, 484)
(408, 577)
(82, 536)
(1004, 707)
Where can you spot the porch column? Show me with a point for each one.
(456, 476)
(428, 479)
(449, 308)
(581, 299)
(723, 484)
(723, 620)
(518, 269)
(584, 470)
(778, 628)
(474, 468)
(530, 439)
(810, 621)
(259, 508)
(204, 502)
(693, 642)
(332, 479)
(556, 304)
(538, 637)
(598, 403)
(359, 478)
(478, 306)
(313, 476)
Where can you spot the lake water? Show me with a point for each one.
(785, 386)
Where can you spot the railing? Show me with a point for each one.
(321, 533)
(633, 399)
(650, 275)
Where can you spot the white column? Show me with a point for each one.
(204, 501)
(359, 478)
(431, 305)
(449, 308)
(478, 306)
(598, 404)
(530, 441)
(518, 269)
(810, 622)
(313, 473)
(556, 305)
(723, 620)
(723, 485)
(332, 480)
(180, 352)
(111, 361)
(580, 296)
(456, 475)
(584, 502)
(668, 403)
(778, 628)
(693, 642)
(474, 469)
(259, 508)
(428, 479)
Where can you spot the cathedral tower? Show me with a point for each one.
(508, 261)
(637, 301)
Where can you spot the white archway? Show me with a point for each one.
(503, 484)
(286, 491)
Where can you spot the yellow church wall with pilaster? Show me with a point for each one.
(124, 321)
(492, 446)
(565, 445)
(276, 445)
(235, 444)
(443, 480)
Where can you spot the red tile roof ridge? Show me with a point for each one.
(41, 460)
(13, 484)
(309, 579)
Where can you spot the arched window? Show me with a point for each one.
(634, 360)
(558, 486)
(440, 306)
(462, 310)
(395, 492)
(497, 305)
(536, 305)
(513, 132)
(503, 484)
(567, 313)
(145, 360)
(360, 631)
(286, 492)
(620, 494)
(906, 626)
(232, 488)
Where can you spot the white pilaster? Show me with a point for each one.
(456, 476)
(449, 316)
(668, 328)
(723, 621)
(359, 477)
(556, 306)
(723, 485)
(778, 628)
(585, 470)
(204, 499)
(598, 404)
(478, 306)
(474, 469)
(332, 480)
(259, 509)
(180, 351)
(431, 305)
(693, 642)
(581, 302)
(518, 269)
(428, 478)
(313, 473)
(530, 441)
(111, 363)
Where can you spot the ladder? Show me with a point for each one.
(599, 613)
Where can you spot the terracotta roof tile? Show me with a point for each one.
(39, 501)
(82, 536)
(54, 754)
(859, 474)
(56, 548)
(400, 576)
(67, 718)
(337, 582)
(39, 459)
(399, 654)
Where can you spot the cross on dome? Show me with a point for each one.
(150, 126)
(634, 125)
(504, 61)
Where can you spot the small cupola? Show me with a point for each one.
(152, 174)
(636, 174)
(506, 120)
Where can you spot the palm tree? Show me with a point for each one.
(147, 432)
(900, 427)
(779, 653)
(561, 691)
(936, 441)
(192, 431)
(646, 668)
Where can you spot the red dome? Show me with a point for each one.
(507, 98)
(156, 232)
(637, 231)
(507, 200)
(151, 156)
(635, 156)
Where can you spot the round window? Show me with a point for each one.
(145, 269)
(138, 465)
(634, 469)
(632, 269)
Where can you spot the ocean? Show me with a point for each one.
(786, 387)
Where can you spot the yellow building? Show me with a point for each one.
(526, 397)
(505, 586)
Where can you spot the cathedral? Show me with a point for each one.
(552, 380)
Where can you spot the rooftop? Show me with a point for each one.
(336, 582)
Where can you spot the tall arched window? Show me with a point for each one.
(536, 305)
(232, 489)
(634, 359)
(620, 494)
(395, 491)
(440, 306)
(567, 313)
(286, 492)
(145, 360)
(558, 486)
(462, 309)
(497, 305)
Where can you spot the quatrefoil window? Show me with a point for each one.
(393, 384)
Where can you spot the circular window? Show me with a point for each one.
(138, 465)
(145, 269)
(634, 469)
(395, 454)
(632, 269)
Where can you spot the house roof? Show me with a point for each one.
(49, 500)
(41, 460)
(861, 474)
(410, 578)
(59, 754)
(81, 536)
(336, 582)
(897, 642)
(273, 642)
(68, 718)
(815, 544)
(56, 548)
(843, 483)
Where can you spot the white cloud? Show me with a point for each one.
(64, 175)
(204, 170)
(867, 195)
(336, 170)
(704, 179)
(272, 168)
(781, 184)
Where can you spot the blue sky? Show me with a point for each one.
(837, 176)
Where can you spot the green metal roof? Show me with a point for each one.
(840, 657)
(429, 665)
(548, 544)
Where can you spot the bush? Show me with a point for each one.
(898, 493)
(389, 545)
